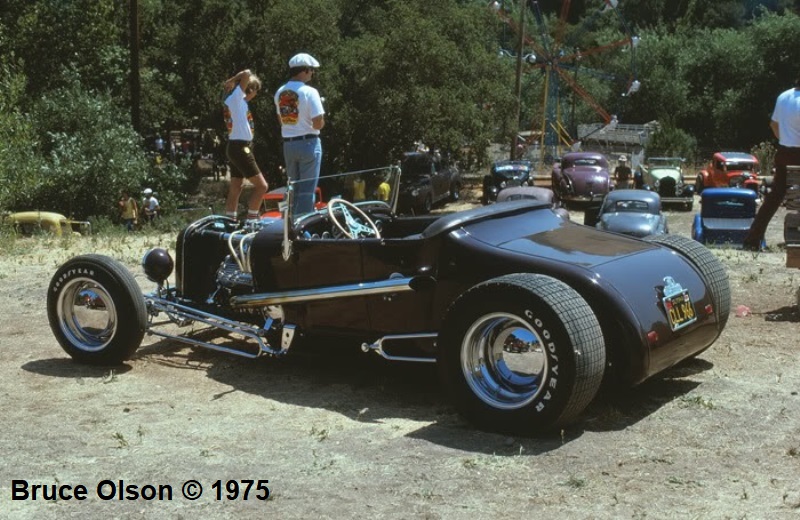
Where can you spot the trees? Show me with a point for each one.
(393, 72)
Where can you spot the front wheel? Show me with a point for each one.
(96, 310)
(698, 184)
(521, 353)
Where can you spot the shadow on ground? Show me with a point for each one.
(369, 389)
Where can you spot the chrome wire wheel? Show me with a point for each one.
(87, 315)
(503, 361)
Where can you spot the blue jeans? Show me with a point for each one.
(303, 160)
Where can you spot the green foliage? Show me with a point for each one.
(671, 141)
(19, 162)
(393, 72)
(89, 152)
(765, 153)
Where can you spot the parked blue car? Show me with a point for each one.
(725, 216)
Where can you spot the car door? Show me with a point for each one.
(439, 181)
(401, 260)
(333, 267)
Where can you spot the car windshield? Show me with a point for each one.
(512, 170)
(584, 161)
(729, 208)
(363, 186)
(631, 206)
(740, 166)
(665, 162)
(417, 165)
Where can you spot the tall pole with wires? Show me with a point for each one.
(518, 83)
(134, 78)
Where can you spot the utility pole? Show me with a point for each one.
(518, 81)
(134, 79)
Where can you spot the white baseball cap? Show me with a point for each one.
(148, 191)
(303, 60)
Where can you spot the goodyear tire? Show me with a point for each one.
(96, 310)
(521, 354)
(709, 266)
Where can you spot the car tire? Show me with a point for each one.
(96, 310)
(427, 205)
(548, 382)
(455, 192)
(689, 205)
(698, 184)
(709, 266)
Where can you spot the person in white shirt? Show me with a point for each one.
(150, 206)
(785, 124)
(242, 88)
(301, 116)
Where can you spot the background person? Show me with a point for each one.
(242, 88)
(150, 206)
(301, 116)
(785, 124)
(622, 173)
(129, 210)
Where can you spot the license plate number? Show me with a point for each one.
(680, 311)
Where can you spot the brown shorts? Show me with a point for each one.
(243, 162)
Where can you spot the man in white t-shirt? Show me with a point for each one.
(785, 124)
(242, 88)
(150, 207)
(301, 116)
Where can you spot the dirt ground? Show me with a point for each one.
(342, 434)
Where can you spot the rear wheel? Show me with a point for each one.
(96, 310)
(709, 266)
(521, 353)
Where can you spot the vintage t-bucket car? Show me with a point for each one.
(524, 313)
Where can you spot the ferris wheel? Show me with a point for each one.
(571, 65)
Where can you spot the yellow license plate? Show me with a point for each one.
(680, 311)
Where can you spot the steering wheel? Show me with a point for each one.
(354, 229)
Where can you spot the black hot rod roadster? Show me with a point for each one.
(524, 313)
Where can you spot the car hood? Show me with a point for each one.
(635, 224)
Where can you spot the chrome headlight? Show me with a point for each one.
(503, 184)
(415, 192)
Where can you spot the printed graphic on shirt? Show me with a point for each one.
(226, 114)
(288, 107)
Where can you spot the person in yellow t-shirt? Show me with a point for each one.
(129, 210)
(384, 191)
(359, 187)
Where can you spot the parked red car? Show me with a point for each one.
(270, 202)
(729, 170)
